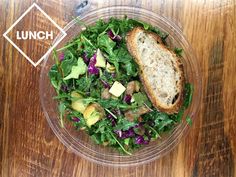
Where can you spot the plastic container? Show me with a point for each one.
(78, 141)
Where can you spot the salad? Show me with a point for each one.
(99, 90)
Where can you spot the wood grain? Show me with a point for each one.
(29, 148)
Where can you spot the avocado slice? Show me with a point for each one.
(110, 68)
(78, 105)
(93, 113)
(101, 62)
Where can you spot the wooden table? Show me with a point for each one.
(28, 147)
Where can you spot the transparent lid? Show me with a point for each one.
(78, 141)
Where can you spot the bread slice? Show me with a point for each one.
(161, 71)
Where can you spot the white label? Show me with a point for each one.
(42, 35)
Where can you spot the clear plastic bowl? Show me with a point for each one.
(78, 141)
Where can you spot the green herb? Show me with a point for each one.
(68, 62)
(112, 103)
(55, 57)
(162, 121)
(156, 134)
(77, 70)
(188, 94)
(55, 78)
(141, 98)
(124, 124)
(120, 145)
(111, 113)
(84, 83)
(62, 109)
(105, 43)
(126, 141)
(189, 120)
(178, 51)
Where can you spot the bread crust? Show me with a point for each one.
(132, 48)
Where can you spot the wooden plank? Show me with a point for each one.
(29, 148)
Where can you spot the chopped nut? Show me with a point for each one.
(105, 94)
(132, 87)
(131, 115)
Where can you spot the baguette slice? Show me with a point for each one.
(161, 71)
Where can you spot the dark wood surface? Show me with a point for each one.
(28, 147)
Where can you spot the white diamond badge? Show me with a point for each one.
(38, 36)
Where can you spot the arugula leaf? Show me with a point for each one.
(126, 141)
(188, 94)
(55, 57)
(112, 103)
(113, 115)
(55, 78)
(131, 69)
(156, 134)
(124, 124)
(123, 55)
(93, 31)
(102, 126)
(162, 121)
(148, 27)
(141, 99)
(178, 51)
(78, 124)
(77, 70)
(68, 62)
(189, 120)
(120, 144)
(88, 46)
(84, 83)
(179, 115)
(105, 43)
(62, 109)
(165, 125)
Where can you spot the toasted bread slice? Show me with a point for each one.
(161, 71)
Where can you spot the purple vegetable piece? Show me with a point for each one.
(76, 119)
(129, 133)
(109, 116)
(125, 134)
(114, 37)
(64, 88)
(140, 124)
(105, 84)
(85, 58)
(110, 34)
(92, 69)
(93, 59)
(140, 140)
(119, 133)
(113, 121)
(61, 56)
(127, 98)
(113, 75)
(118, 38)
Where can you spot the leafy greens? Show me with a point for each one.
(70, 75)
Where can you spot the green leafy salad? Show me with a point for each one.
(99, 90)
